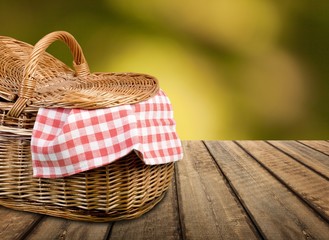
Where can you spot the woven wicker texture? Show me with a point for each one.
(41, 80)
(124, 189)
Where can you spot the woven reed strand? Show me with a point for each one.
(124, 189)
(31, 78)
(40, 80)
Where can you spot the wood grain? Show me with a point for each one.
(315, 160)
(321, 146)
(304, 182)
(162, 222)
(16, 224)
(221, 190)
(58, 228)
(278, 212)
(208, 207)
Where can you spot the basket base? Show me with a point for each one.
(81, 215)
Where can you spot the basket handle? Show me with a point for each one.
(29, 82)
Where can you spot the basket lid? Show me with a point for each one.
(39, 79)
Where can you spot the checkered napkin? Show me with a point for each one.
(69, 141)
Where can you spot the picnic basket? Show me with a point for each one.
(31, 78)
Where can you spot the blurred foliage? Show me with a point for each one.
(243, 69)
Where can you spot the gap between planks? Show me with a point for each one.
(209, 208)
(320, 146)
(316, 161)
(16, 224)
(277, 210)
(237, 196)
(306, 184)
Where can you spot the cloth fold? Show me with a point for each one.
(69, 141)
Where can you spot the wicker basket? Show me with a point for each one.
(124, 189)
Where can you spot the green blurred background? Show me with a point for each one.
(240, 69)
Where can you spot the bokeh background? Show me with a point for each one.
(240, 69)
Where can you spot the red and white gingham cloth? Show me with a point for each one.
(69, 141)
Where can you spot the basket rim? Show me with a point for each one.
(38, 79)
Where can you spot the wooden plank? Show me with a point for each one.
(305, 183)
(315, 160)
(15, 224)
(59, 228)
(208, 207)
(278, 213)
(161, 222)
(322, 146)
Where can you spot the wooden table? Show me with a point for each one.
(221, 190)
